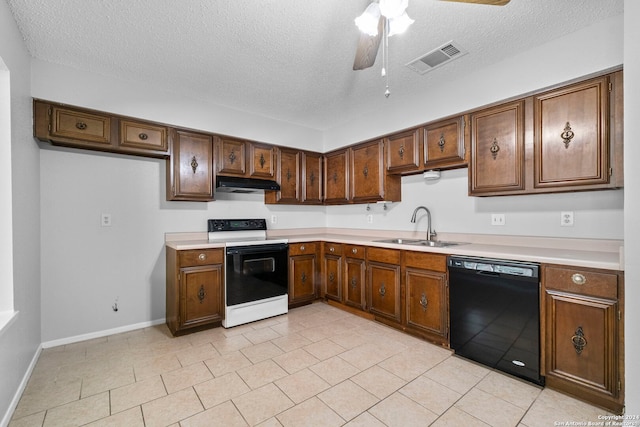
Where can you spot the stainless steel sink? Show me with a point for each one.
(419, 242)
(399, 241)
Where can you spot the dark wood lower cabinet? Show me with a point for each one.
(354, 282)
(583, 335)
(383, 283)
(332, 271)
(302, 273)
(195, 279)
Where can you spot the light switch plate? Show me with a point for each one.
(105, 220)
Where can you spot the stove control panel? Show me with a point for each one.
(214, 225)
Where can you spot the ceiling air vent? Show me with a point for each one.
(437, 57)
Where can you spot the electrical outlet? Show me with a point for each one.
(370, 219)
(497, 219)
(566, 219)
(274, 219)
(105, 220)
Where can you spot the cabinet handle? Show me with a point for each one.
(303, 278)
(354, 250)
(302, 248)
(423, 301)
(202, 257)
(332, 249)
(578, 340)
(335, 177)
(441, 142)
(262, 160)
(331, 277)
(401, 152)
(143, 136)
(232, 157)
(567, 135)
(494, 149)
(288, 175)
(194, 164)
(578, 279)
(382, 291)
(81, 125)
(354, 282)
(201, 294)
(312, 177)
(365, 171)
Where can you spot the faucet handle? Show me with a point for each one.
(434, 235)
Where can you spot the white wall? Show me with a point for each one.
(632, 202)
(20, 340)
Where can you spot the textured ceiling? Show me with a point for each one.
(286, 59)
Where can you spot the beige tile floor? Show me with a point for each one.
(315, 366)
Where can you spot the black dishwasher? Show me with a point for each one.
(495, 314)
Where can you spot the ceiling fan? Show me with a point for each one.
(386, 18)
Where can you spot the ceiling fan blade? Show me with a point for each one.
(489, 2)
(367, 49)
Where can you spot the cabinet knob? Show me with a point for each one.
(354, 282)
(202, 257)
(331, 277)
(423, 302)
(303, 278)
(578, 279)
(567, 135)
(354, 250)
(441, 142)
(302, 248)
(401, 152)
(382, 291)
(578, 340)
(81, 125)
(143, 136)
(332, 249)
(201, 294)
(194, 164)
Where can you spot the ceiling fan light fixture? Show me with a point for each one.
(393, 8)
(399, 24)
(368, 21)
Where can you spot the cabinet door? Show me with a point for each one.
(83, 127)
(571, 143)
(384, 290)
(312, 178)
(336, 177)
(231, 157)
(444, 143)
(332, 276)
(143, 137)
(426, 302)
(302, 283)
(261, 161)
(367, 177)
(403, 151)
(354, 294)
(288, 174)
(497, 149)
(190, 167)
(581, 345)
(200, 295)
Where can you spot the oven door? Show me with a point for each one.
(256, 272)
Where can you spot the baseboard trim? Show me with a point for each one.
(100, 334)
(23, 385)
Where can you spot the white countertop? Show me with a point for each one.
(594, 253)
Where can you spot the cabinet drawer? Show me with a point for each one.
(387, 256)
(354, 251)
(302, 248)
(143, 135)
(333, 249)
(580, 281)
(433, 262)
(200, 257)
(81, 126)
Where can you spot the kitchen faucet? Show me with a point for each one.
(430, 234)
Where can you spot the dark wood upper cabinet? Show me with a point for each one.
(262, 161)
(444, 143)
(143, 136)
(369, 180)
(571, 135)
(231, 157)
(403, 151)
(312, 178)
(190, 167)
(497, 149)
(336, 177)
(288, 176)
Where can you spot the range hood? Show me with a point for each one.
(232, 184)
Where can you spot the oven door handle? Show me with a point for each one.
(257, 249)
